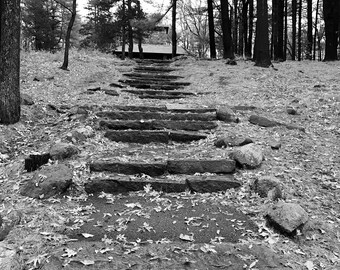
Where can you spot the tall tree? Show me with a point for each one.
(309, 29)
(235, 24)
(130, 30)
(73, 12)
(294, 11)
(261, 50)
(250, 27)
(316, 27)
(226, 31)
(278, 14)
(286, 30)
(123, 30)
(331, 11)
(300, 31)
(211, 29)
(10, 61)
(174, 34)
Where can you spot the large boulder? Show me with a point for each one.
(248, 156)
(268, 186)
(48, 182)
(287, 217)
(231, 140)
(61, 151)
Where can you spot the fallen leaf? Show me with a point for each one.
(189, 238)
(87, 235)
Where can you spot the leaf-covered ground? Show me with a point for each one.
(308, 164)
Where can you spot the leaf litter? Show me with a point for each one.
(307, 163)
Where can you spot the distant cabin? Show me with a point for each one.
(151, 51)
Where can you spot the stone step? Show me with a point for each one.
(174, 166)
(144, 62)
(146, 96)
(158, 125)
(153, 76)
(177, 108)
(138, 115)
(152, 169)
(150, 136)
(124, 184)
(158, 92)
(156, 86)
(152, 69)
(139, 80)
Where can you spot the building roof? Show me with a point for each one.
(151, 48)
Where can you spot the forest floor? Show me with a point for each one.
(308, 164)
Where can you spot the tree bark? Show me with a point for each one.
(226, 31)
(261, 52)
(9, 61)
(211, 29)
(130, 31)
(316, 28)
(123, 31)
(251, 29)
(235, 26)
(331, 11)
(294, 11)
(286, 31)
(174, 34)
(309, 29)
(68, 34)
(300, 32)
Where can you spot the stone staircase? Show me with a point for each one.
(149, 130)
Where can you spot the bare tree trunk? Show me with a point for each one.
(331, 11)
(309, 29)
(294, 9)
(235, 26)
(130, 31)
(316, 28)
(211, 29)
(300, 32)
(286, 31)
(174, 34)
(251, 27)
(10, 61)
(226, 30)
(123, 31)
(261, 52)
(68, 34)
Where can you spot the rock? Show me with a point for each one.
(262, 121)
(9, 258)
(265, 122)
(291, 111)
(111, 92)
(268, 186)
(287, 217)
(34, 162)
(47, 182)
(232, 140)
(275, 145)
(62, 151)
(26, 99)
(81, 134)
(200, 166)
(226, 114)
(118, 85)
(248, 156)
(231, 62)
